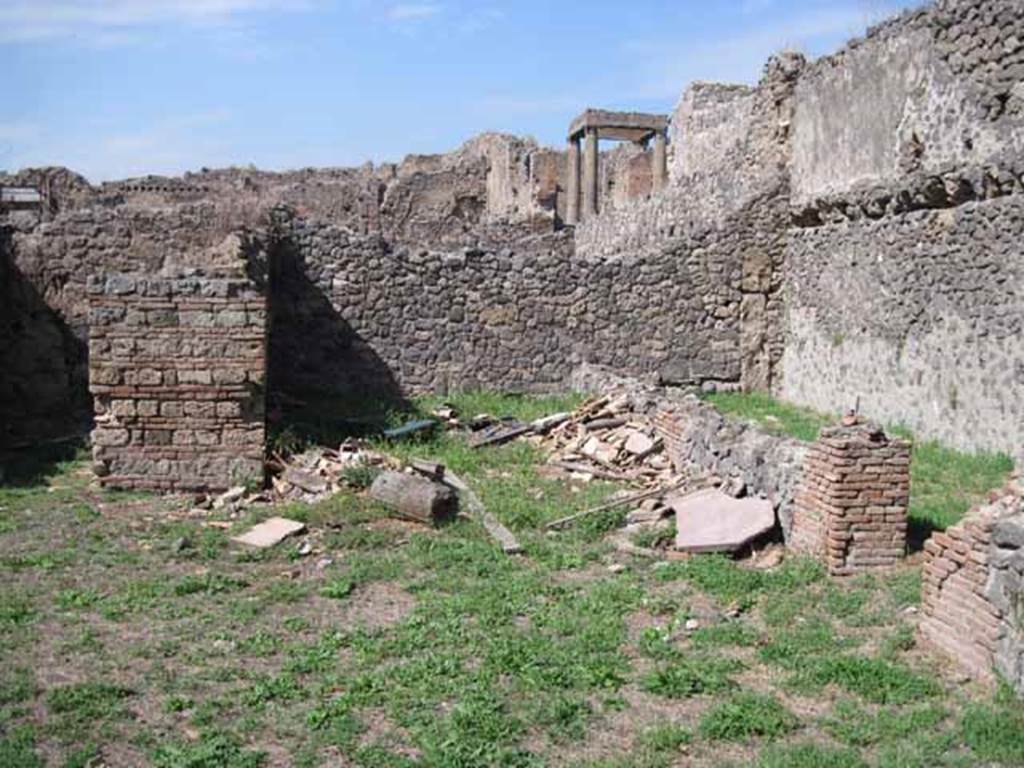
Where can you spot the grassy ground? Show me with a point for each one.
(133, 633)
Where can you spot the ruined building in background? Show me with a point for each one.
(847, 229)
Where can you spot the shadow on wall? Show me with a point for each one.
(43, 394)
(325, 382)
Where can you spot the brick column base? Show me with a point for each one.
(851, 505)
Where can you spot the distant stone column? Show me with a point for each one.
(590, 174)
(659, 159)
(572, 206)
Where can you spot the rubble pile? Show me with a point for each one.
(320, 472)
(605, 439)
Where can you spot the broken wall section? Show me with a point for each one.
(726, 207)
(972, 595)
(177, 371)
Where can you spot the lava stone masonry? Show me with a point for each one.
(176, 369)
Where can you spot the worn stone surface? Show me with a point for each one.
(710, 521)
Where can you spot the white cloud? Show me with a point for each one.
(113, 21)
(414, 11)
(168, 146)
(664, 68)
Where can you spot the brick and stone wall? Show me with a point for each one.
(851, 504)
(973, 590)
(177, 370)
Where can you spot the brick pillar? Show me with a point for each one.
(851, 505)
(177, 370)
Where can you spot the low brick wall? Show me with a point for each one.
(973, 591)
(177, 370)
(851, 506)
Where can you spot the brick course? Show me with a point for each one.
(851, 505)
(177, 370)
(972, 594)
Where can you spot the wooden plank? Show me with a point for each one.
(509, 544)
(564, 522)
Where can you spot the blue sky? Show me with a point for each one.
(115, 88)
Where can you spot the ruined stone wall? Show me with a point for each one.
(727, 206)
(699, 438)
(360, 312)
(177, 370)
(48, 264)
(38, 358)
(972, 596)
(904, 265)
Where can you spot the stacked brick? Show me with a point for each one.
(851, 505)
(176, 370)
(973, 591)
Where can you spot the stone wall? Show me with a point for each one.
(726, 204)
(919, 316)
(38, 358)
(903, 269)
(49, 263)
(360, 312)
(177, 370)
(851, 505)
(973, 590)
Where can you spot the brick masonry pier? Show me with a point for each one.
(177, 370)
(851, 506)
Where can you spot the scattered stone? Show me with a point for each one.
(639, 444)
(600, 451)
(415, 497)
(710, 521)
(305, 548)
(691, 625)
(270, 532)
(616, 568)
(307, 481)
(229, 497)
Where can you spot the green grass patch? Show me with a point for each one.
(745, 716)
(852, 724)
(875, 680)
(18, 749)
(809, 755)
(946, 483)
(773, 416)
(995, 732)
(213, 750)
(692, 675)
